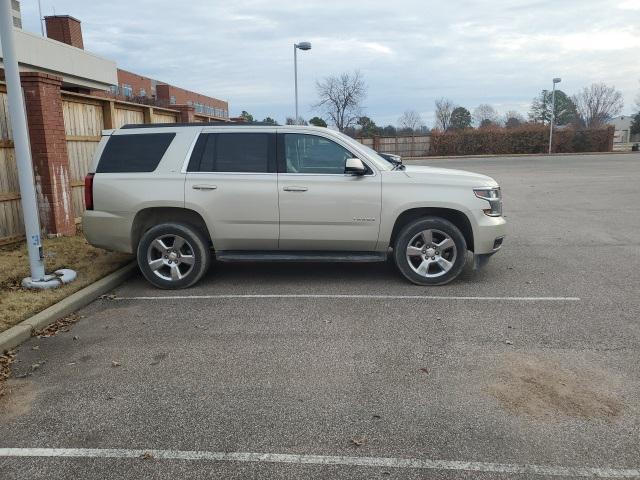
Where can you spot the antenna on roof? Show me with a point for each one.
(41, 17)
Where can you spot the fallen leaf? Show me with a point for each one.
(147, 455)
(424, 369)
(115, 364)
(359, 441)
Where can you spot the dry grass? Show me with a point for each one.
(17, 304)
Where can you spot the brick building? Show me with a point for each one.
(71, 95)
(133, 86)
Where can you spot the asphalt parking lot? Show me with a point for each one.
(529, 368)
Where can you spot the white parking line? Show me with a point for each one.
(374, 297)
(378, 462)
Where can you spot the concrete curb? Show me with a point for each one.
(17, 334)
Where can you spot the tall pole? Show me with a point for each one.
(553, 114)
(295, 74)
(41, 17)
(21, 143)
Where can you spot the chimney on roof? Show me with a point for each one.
(65, 29)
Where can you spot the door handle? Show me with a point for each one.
(204, 187)
(295, 189)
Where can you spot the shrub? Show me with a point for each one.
(522, 139)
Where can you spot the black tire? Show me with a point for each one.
(194, 248)
(454, 256)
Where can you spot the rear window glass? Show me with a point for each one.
(233, 152)
(134, 153)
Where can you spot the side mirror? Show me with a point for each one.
(355, 166)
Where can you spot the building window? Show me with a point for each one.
(127, 91)
(143, 92)
(17, 22)
(15, 5)
(172, 100)
(115, 90)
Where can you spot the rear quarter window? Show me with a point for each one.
(134, 153)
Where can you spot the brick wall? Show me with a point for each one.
(136, 82)
(49, 151)
(164, 92)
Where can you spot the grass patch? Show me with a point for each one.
(17, 304)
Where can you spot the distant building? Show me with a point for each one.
(131, 86)
(17, 15)
(79, 69)
(622, 125)
(139, 88)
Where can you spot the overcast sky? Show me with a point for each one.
(498, 52)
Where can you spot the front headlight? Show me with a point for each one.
(494, 197)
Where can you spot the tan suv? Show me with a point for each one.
(178, 195)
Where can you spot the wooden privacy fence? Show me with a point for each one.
(405, 146)
(85, 117)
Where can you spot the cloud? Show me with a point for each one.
(410, 52)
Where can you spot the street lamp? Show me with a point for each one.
(38, 279)
(296, 46)
(553, 110)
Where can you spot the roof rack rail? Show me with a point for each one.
(196, 124)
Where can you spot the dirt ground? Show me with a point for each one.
(90, 263)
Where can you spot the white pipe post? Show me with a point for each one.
(21, 143)
(553, 114)
(41, 17)
(295, 74)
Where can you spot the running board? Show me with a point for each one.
(294, 256)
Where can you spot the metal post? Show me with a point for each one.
(295, 74)
(553, 114)
(21, 143)
(18, 117)
(41, 17)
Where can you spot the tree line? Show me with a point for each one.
(341, 104)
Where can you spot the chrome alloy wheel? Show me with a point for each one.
(170, 257)
(431, 253)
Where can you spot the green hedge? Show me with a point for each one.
(524, 139)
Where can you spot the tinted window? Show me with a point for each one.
(313, 154)
(232, 152)
(134, 153)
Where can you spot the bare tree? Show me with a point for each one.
(512, 119)
(444, 107)
(638, 101)
(484, 114)
(410, 121)
(341, 98)
(597, 104)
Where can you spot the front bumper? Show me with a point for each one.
(489, 236)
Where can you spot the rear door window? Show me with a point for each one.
(234, 153)
(134, 152)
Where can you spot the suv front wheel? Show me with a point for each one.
(430, 251)
(173, 255)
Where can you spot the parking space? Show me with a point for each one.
(525, 369)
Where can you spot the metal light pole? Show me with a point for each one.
(296, 46)
(553, 111)
(24, 163)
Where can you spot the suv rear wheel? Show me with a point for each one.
(173, 255)
(430, 251)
